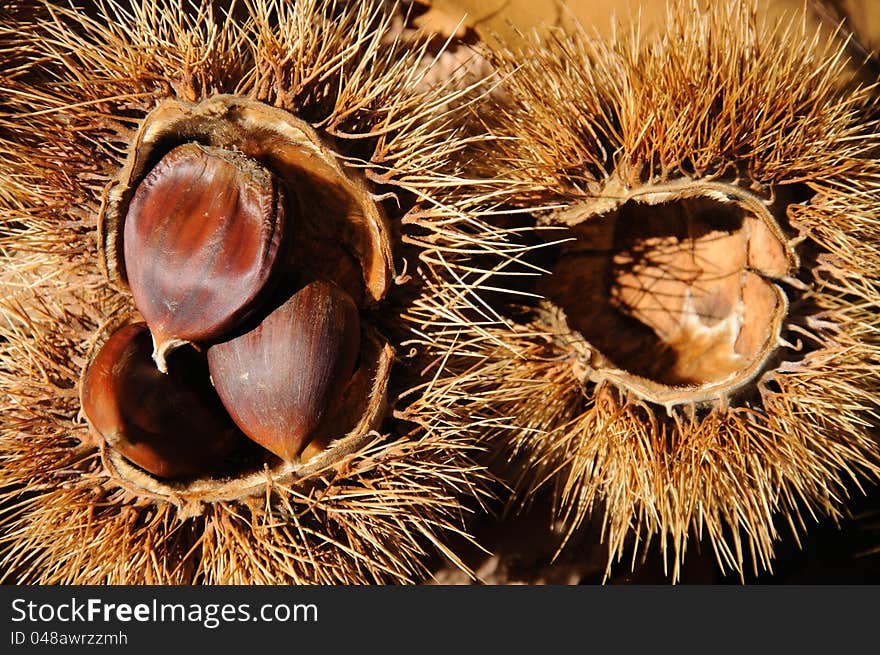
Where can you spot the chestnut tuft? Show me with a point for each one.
(171, 425)
(202, 243)
(281, 379)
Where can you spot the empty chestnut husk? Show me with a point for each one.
(202, 243)
(171, 425)
(280, 380)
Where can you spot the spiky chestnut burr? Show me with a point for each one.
(694, 357)
(88, 89)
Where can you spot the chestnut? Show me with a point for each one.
(202, 243)
(171, 425)
(282, 378)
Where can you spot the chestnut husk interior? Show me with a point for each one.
(608, 295)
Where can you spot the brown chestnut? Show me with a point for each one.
(202, 242)
(172, 425)
(279, 380)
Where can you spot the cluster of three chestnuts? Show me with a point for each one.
(207, 261)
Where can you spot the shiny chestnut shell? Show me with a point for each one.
(280, 380)
(335, 211)
(171, 425)
(202, 241)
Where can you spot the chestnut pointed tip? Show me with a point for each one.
(290, 449)
(312, 449)
(164, 347)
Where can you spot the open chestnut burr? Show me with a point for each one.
(239, 233)
(328, 104)
(687, 355)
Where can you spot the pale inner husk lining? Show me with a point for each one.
(673, 294)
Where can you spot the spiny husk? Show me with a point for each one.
(76, 85)
(718, 96)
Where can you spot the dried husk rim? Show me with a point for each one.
(364, 406)
(713, 302)
(333, 203)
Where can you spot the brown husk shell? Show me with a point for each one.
(584, 125)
